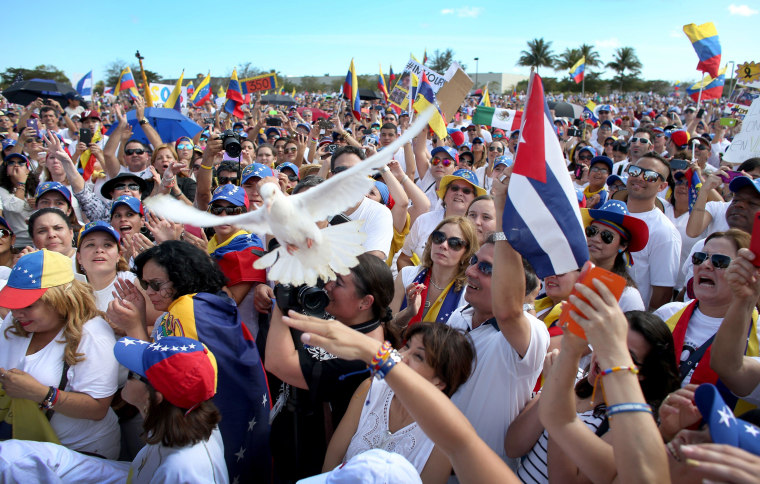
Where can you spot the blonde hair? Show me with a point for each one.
(468, 234)
(75, 304)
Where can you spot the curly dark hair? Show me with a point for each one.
(189, 268)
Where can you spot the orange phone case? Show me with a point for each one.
(614, 283)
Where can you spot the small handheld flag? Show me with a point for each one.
(174, 98)
(234, 96)
(704, 39)
(711, 88)
(424, 57)
(127, 83)
(577, 71)
(391, 76)
(190, 89)
(381, 85)
(351, 91)
(203, 93)
(426, 99)
(485, 99)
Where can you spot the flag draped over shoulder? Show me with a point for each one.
(704, 39)
(711, 88)
(203, 92)
(234, 96)
(578, 70)
(127, 83)
(351, 91)
(541, 219)
(173, 102)
(426, 99)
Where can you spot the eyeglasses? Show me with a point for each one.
(609, 143)
(496, 149)
(607, 236)
(291, 150)
(127, 186)
(218, 210)
(477, 142)
(699, 146)
(599, 169)
(155, 285)
(133, 152)
(719, 261)
(485, 268)
(455, 243)
(136, 376)
(185, 146)
(585, 157)
(5, 233)
(15, 163)
(442, 161)
(647, 175)
(223, 180)
(643, 141)
(292, 177)
(465, 190)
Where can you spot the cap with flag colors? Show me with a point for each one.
(381, 85)
(576, 72)
(126, 82)
(203, 92)
(724, 427)
(174, 98)
(426, 100)
(704, 39)
(507, 119)
(542, 219)
(234, 96)
(84, 86)
(33, 275)
(351, 91)
(711, 88)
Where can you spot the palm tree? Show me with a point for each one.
(539, 54)
(566, 60)
(592, 56)
(625, 60)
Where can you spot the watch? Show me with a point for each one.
(143, 121)
(498, 236)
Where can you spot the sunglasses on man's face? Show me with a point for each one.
(607, 236)
(718, 261)
(223, 180)
(455, 243)
(647, 175)
(127, 186)
(131, 152)
(219, 210)
(643, 141)
(485, 268)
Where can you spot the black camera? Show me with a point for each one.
(231, 143)
(573, 132)
(308, 300)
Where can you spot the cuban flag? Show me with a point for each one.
(84, 86)
(541, 219)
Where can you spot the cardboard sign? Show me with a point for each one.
(264, 82)
(454, 91)
(746, 144)
(399, 96)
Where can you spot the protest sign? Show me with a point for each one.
(453, 92)
(746, 144)
(400, 94)
(161, 92)
(264, 82)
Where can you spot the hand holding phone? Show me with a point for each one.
(730, 175)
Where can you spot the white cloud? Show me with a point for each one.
(611, 43)
(464, 12)
(741, 10)
(675, 34)
(447, 11)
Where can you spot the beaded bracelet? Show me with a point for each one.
(51, 399)
(628, 407)
(380, 356)
(384, 361)
(614, 369)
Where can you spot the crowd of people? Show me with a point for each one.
(137, 349)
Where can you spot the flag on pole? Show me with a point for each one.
(351, 91)
(541, 219)
(578, 69)
(704, 39)
(190, 89)
(127, 83)
(391, 76)
(424, 57)
(174, 98)
(84, 86)
(711, 88)
(426, 99)
(381, 84)
(485, 99)
(507, 119)
(694, 184)
(234, 96)
(203, 93)
(108, 90)
(293, 93)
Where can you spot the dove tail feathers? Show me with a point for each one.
(335, 254)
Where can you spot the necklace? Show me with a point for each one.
(436, 285)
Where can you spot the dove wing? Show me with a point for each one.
(172, 209)
(345, 189)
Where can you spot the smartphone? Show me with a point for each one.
(47, 102)
(34, 123)
(614, 282)
(730, 175)
(367, 131)
(273, 112)
(754, 243)
(573, 132)
(274, 122)
(331, 148)
(700, 113)
(325, 124)
(579, 172)
(85, 135)
(730, 122)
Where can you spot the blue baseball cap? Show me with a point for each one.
(604, 107)
(744, 181)
(448, 150)
(621, 178)
(602, 159)
(290, 165)
(46, 187)
(256, 170)
(33, 274)
(231, 193)
(8, 143)
(724, 427)
(590, 149)
(10, 156)
(305, 126)
(272, 130)
(384, 192)
(4, 223)
(614, 214)
(98, 226)
(133, 203)
(464, 175)
(503, 160)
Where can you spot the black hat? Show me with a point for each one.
(107, 187)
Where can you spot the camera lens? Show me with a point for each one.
(313, 300)
(231, 143)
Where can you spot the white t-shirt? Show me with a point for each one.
(378, 225)
(657, 263)
(427, 185)
(421, 229)
(95, 376)
(686, 242)
(501, 382)
(717, 211)
(105, 295)
(401, 158)
(145, 174)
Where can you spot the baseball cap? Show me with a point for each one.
(272, 131)
(724, 427)
(98, 226)
(133, 203)
(257, 170)
(8, 142)
(457, 137)
(10, 156)
(448, 150)
(182, 369)
(33, 275)
(374, 466)
(461, 174)
(680, 138)
(4, 223)
(503, 160)
(90, 113)
(231, 193)
(613, 178)
(46, 187)
(743, 181)
(614, 214)
(290, 165)
(305, 126)
(604, 107)
(590, 149)
(602, 159)
(607, 122)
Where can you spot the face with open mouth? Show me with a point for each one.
(98, 253)
(126, 221)
(710, 285)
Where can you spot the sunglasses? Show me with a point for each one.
(223, 180)
(33, 140)
(609, 143)
(127, 186)
(184, 146)
(442, 161)
(133, 152)
(607, 236)
(15, 163)
(719, 261)
(219, 210)
(699, 146)
(292, 177)
(5, 233)
(585, 157)
(465, 190)
(495, 148)
(599, 169)
(155, 285)
(455, 243)
(137, 376)
(647, 175)
(485, 268)
(643, 141)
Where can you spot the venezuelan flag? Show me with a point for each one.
(391, 76)
(704, 39)
(174, 98)
(127, 83)
(190, 88)
(576, 72)
(711, 88)
(234, 96)
(694, 184)
(424, 100)
(424, 57)
(351, 91)
(203, 93)
(381, 85)
(588, 113)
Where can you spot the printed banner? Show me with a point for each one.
(400, 94)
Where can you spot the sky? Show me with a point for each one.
(315, 38)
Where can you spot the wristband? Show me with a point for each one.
(628, 407)
(406, 177)
(207, 167)
(614, 369)
(51, 399)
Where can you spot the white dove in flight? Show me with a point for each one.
(306, 252)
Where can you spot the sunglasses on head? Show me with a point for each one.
(485, 268)
(455, 243)
(719, 261)
(185, 146)
(219, 210)
(496, 149)
(607, 236)
(465, 190)
(643, 141)
(442, 161)
(647, 175)
(155, 285)
(136, 376)
(127, 186)
(134, 152)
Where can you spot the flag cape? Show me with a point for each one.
(541, 218)
(711, 88)
(704, 39)
(381, 85)
(203, 92)
(496, 117)
(242, 395)
(126, 82)
(234, 96)
(351, 91)
(576, 72)
(84, 86)
(425, 99)
(173, 102)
